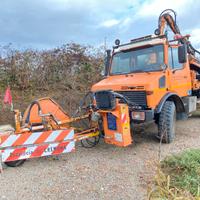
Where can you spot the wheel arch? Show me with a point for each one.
(171, 97)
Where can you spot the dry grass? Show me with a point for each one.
(163, 190)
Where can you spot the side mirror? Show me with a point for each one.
(107, 62)
(182, 53)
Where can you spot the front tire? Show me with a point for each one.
(167, 122)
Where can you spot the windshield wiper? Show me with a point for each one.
(139, 70)
(116, 73)
(163, 67)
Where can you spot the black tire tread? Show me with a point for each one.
(166, 122)
(15, 163)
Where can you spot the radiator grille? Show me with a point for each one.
(138, 97)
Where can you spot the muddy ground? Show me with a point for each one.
(104, 172)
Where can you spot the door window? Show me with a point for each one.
(173, 59)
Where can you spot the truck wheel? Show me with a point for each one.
(167, 122)
(16, 163)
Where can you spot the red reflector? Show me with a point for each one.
(149, 92)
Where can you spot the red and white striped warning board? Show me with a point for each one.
(38, 144)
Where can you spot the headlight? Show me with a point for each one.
(138, 116)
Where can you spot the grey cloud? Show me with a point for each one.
(50, 23)
(30, 22)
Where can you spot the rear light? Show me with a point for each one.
(138, 116)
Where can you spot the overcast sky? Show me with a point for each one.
(44, 24)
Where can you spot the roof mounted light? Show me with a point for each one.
(117, 42)
(157, 32)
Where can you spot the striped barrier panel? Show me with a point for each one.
(38, 144)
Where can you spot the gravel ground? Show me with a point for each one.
(104, 172)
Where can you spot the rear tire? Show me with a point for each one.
(15, 163)
(167, 122)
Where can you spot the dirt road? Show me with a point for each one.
(104, 172)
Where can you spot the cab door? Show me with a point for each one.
(179, 75)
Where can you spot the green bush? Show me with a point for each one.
(65, 73)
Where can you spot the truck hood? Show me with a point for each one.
(139, 81)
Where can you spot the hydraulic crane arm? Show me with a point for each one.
(165, 19)
(168, 18)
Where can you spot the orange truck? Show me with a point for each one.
(149, 79)
(156, 79)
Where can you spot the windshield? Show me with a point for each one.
(139, 60)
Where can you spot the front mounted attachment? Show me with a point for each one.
(116, 125)
(116, 120)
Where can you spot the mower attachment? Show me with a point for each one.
(44, 130)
